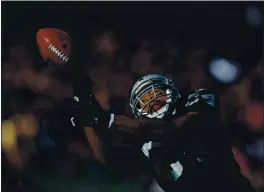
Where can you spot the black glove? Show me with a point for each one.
(203, 101)
(89, 112)
(92, 114)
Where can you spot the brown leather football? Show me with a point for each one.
(54, 45)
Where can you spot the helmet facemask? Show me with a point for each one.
(154, 97)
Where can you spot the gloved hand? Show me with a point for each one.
(89, 112)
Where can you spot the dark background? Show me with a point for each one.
(220, 26)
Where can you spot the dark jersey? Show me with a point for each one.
(196, 157)
(201, 101)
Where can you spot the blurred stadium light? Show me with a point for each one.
(223, 70)
(253, 16)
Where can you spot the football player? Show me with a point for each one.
(185, 144)
(187, 148)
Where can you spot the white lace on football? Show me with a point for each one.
(57, 52)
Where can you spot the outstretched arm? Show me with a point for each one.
(127, 124)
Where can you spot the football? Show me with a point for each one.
(54, 45)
